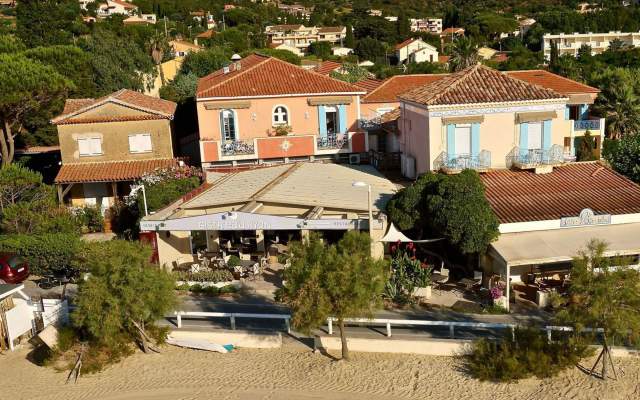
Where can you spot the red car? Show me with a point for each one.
(13, 268)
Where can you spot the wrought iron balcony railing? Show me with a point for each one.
(237, 147)
(531, 158)
(586, 124)
(458, 162)
(332, 142)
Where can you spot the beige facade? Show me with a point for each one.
(425, 134)
(599, 42)
(114, 137)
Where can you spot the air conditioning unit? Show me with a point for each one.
(354, 159)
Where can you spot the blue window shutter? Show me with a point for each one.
(342, 118)
(524, 137)
(546, 134)
(322, 121)
(584, 111)
(475, 139)
(567, 113)
(451, 140)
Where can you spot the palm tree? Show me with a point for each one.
(618, 102)
(464, 53)
(157, 45)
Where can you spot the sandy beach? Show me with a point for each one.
(296, 373)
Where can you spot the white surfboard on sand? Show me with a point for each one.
(199, 345)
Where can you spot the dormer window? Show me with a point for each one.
(280, 116)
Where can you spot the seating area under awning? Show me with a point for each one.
(557, 245)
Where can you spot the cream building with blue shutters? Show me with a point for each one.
(484, 119)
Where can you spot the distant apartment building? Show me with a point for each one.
(431, 25)
(300, 36)
(375, 13)
(599, 42)
(296, 9)
(142, 19)
(113, 7)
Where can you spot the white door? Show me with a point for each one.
(463, 139)
(534, 135)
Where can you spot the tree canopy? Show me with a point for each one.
(453, 206)
(340, 281)
(624, 156)
(47, 22)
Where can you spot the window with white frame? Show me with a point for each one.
(280, 115)
(228, 125)
(140, 143)
(90, 146)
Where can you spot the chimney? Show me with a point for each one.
(235, 59)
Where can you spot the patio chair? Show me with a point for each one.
(445, 274)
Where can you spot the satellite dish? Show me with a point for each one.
(236, 57)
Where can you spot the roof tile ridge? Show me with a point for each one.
(564, 78)
(241, 73)
(353, 86)
(462, 76)
(384, 83)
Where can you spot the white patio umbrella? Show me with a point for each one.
(394, 235)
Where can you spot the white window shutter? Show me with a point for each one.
(96, 146)
(84, 147)
(145, 142)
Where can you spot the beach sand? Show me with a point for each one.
(296, 373)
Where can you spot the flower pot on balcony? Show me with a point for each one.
(423, 292)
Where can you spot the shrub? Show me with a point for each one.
(218, 275)
(211, 291)
(228, 289)
(234, 261)
(529, 355)
(183, 287)
(195, 288)
(90, 217)
(46, 253)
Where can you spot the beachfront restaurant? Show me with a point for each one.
(255, 213)
(547, 219)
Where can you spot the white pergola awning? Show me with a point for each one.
(394, 235)
(558, 245)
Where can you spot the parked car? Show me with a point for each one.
(13, 268)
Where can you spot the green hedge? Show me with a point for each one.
(45, 253)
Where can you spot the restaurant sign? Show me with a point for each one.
(586, 217)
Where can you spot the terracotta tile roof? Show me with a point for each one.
(38, 149)
(326, 67)
(369, 84)
(396, 85)
(110, 171)
(519, 196)
(206, 34)
(451, 30)
(552, 81)
(405, 43)
(331, 29)
(125, 4)
(478, 84)
(261, 75)
(291, 27)
(156, 107)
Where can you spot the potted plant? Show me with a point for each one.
(497, 295)
(422, 278)
(282, 130)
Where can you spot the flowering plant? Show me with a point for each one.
(497, 291)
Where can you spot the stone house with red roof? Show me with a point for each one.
(263, 110)
(108, 143)
(415, 50)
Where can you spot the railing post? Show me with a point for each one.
(178, 313)
(513, 334)
(548, 334)
(330, 326)
(233, 322)
(451, 331)
(388, 329)
(288, 323)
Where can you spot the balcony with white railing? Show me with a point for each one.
(592, 125)
(534, 158)
(237, 148)
(455, 163)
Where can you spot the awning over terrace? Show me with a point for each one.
(558, 245)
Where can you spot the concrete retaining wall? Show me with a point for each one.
(432, 347)
(238, 338)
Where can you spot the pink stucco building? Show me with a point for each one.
(261, 110)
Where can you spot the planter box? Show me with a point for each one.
(424, 292)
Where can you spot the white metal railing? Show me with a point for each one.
(411, 322)
(232, 317)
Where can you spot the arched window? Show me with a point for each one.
(280, 115)
(228, 125)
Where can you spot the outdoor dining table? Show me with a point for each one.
(438, 278)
